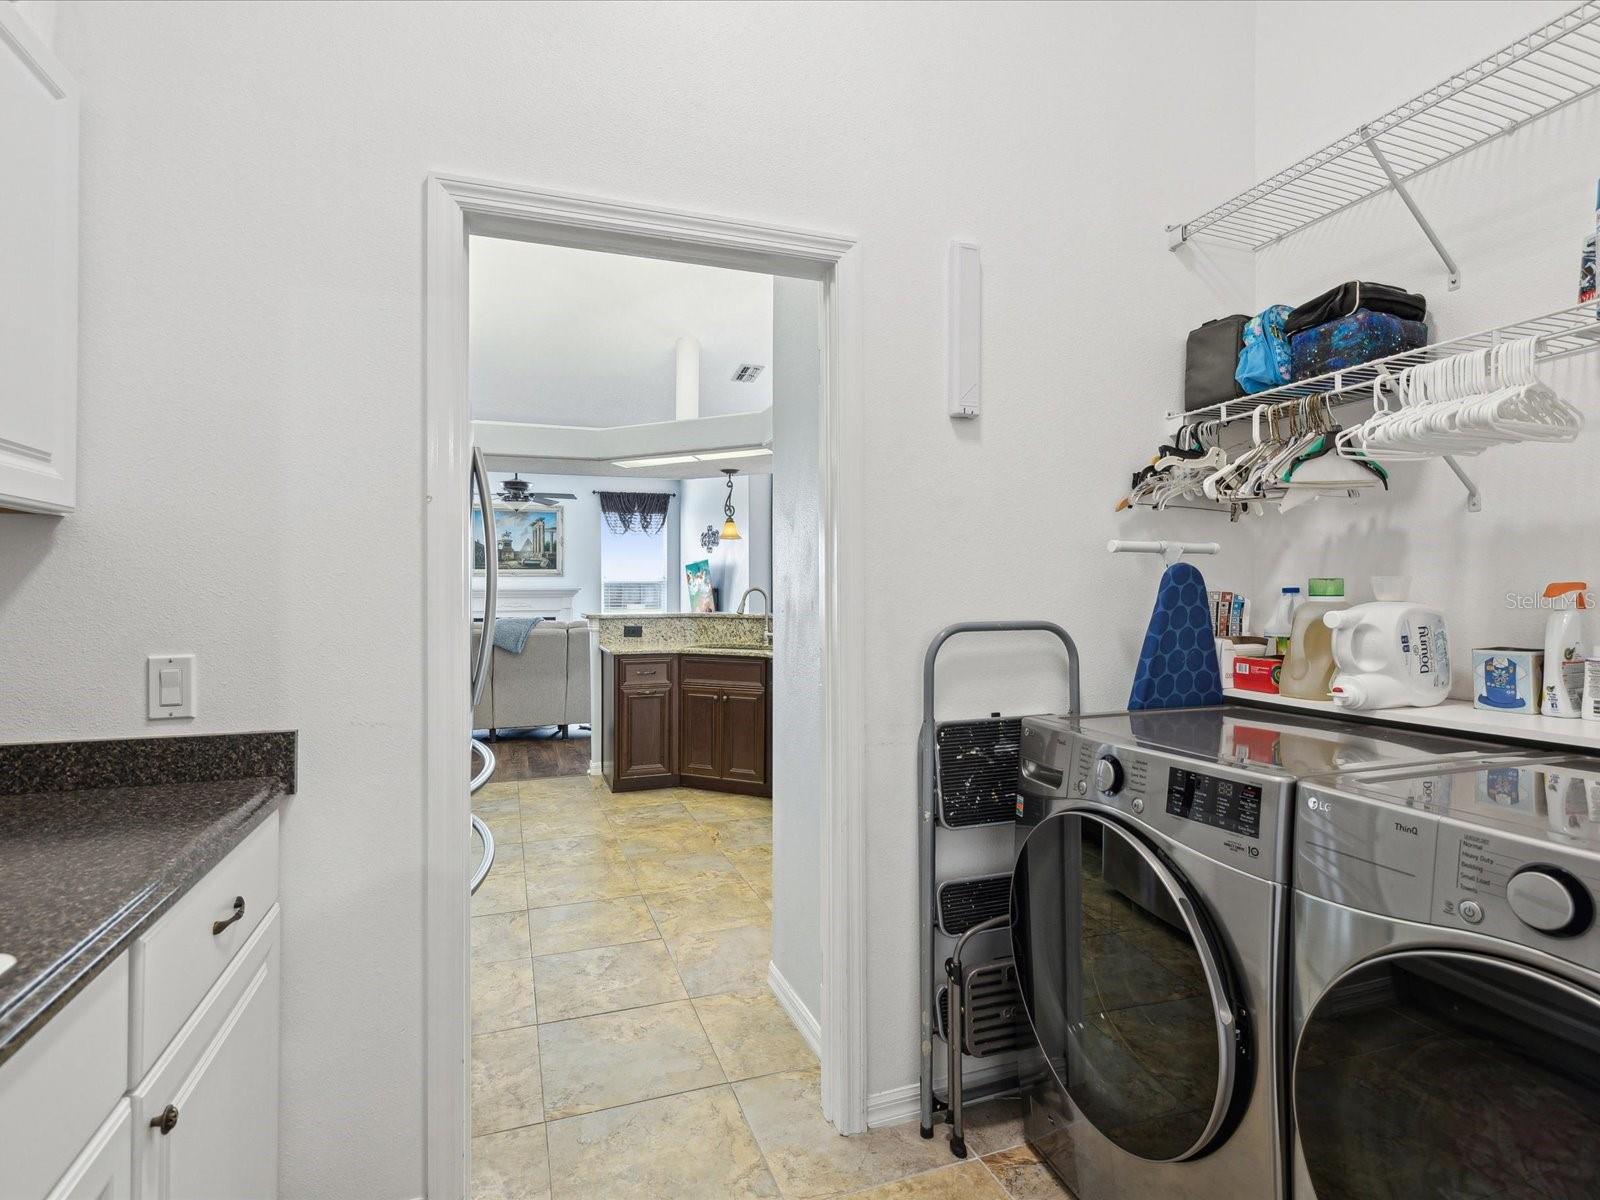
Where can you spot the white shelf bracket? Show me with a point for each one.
(1454, 281)
(1474, 500)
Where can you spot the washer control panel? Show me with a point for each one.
(1405, 861)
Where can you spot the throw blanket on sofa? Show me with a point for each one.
(511, 633)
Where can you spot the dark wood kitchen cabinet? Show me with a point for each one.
(640, 723)
(723, 726)
(704, 720)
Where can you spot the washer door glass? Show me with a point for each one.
(1127, 993)
(1437, 1073)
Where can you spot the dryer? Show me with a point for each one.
(1149, 929)
(1446, 982)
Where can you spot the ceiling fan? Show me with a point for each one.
(515, 491)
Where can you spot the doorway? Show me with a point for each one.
(457, 209)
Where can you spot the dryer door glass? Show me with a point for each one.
(1125, 987)
(1438, 1073)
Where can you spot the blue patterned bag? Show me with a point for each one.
(1350, 341)
(1264, 359)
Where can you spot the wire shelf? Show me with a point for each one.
(1534, 76)
(1565, 332)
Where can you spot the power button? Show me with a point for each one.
(1471, 912)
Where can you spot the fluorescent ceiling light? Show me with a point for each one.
(666, 460)
(755, 452)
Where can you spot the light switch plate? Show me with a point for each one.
(164, 705)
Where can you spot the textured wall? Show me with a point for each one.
(251, 461)
(1514, 214)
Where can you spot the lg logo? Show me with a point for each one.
(1318, 805)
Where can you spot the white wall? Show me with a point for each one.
(1514, 214)
(251, 329)
(574, 337)
(797, 775)
(580, 521)
(731, 562)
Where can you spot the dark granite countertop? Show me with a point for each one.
(85, 870)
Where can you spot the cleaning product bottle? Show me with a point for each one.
(1388, 654)
(1308, 665)
(1591, 685)
(1281, 623)
(1562, 692)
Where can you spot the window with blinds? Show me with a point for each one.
(617, 595)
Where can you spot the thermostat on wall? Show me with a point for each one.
(964, 339)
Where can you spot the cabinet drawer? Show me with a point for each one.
(644, 672)
(57, 1089)
(706, 668)
(220, 1074)
(104, 1171)
(179, 958)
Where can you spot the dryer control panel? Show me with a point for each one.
(1233, 815)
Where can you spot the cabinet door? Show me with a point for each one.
(223, 1137)
(104, 1171)
(743, 752)
(699, 743)
(644, 735)
(38, 273)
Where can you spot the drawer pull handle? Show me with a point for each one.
(216, 928)
(167, 1121)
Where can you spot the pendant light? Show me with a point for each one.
(730, 531)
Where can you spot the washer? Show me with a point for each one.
(1149, 928)
(1446, 983)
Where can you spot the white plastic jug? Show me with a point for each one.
(1389, 654)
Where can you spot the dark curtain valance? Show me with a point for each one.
(627, 511)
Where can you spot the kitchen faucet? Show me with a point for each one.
(767, 600)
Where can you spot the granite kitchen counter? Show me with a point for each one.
(86, 867)
(625, 651)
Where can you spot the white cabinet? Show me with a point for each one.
(38, 273)
(104, 1171)
(206, 1117)
(201, 1122)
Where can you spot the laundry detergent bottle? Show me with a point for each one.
(1389, 654)
(1308, 666)
(1565, 640)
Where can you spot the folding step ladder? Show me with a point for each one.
(967, 778)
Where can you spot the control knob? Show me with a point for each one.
(1550, 900)
(1108, 775)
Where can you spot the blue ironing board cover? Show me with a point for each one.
(1178, 664)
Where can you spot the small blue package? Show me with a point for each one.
(1506, 678)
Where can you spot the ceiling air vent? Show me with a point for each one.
(747, 372)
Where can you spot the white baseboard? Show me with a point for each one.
(804, 1019)
(903, 1103)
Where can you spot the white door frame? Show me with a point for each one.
(457, 207)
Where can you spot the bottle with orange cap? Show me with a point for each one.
(1564, 649)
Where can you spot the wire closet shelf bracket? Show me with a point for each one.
(1531, 78)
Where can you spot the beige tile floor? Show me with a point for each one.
(625, 1044)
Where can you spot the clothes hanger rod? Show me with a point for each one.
(1169, 551)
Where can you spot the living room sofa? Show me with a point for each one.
(547, 684)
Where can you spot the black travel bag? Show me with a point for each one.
(1337, 303)
(1210, 360)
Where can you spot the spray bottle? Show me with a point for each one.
(1564, 647)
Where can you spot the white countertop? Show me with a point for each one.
(1452, 716)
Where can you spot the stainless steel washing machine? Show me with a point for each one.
(1446, 983)
(1149, 928)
